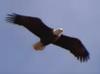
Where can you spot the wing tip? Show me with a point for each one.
(84, 58)
(10, 18)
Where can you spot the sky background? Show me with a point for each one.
(78, 18)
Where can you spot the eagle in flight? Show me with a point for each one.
(49, 35)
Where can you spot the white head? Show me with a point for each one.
(58, 31)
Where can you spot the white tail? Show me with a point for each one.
(38, 46)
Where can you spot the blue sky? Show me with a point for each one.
(78, 18)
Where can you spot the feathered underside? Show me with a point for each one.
(45, 33)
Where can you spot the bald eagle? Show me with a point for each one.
(49, 35)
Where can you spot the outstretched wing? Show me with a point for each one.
(34, 24)
(74, 45)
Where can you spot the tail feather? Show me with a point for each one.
(38, 46)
